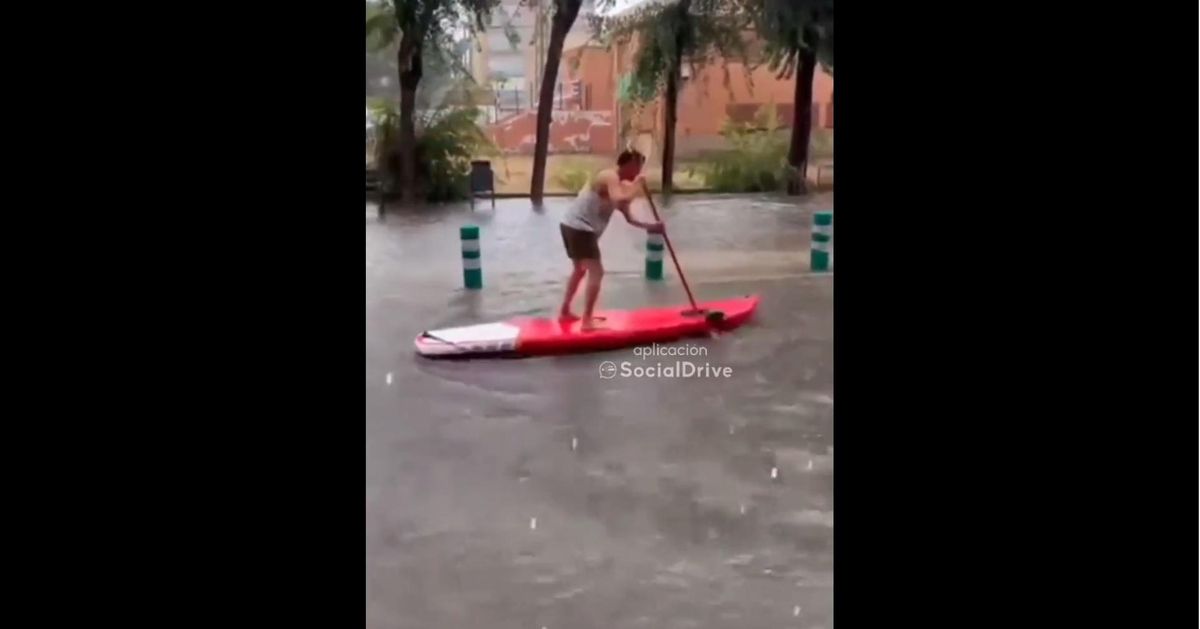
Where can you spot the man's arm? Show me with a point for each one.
(653, 228)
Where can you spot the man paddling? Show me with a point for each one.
(584, 223)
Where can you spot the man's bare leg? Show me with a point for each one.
(577, 274)
(595, 273)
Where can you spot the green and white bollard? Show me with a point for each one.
(822, 238)
(654, 256)
(472, 267)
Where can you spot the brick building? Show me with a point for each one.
(590, 115)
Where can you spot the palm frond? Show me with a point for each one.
(382, 26)
(695, 32)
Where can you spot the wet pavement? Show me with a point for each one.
(533, 493)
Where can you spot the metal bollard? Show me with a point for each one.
(654, 256)
(822, 238)
(472, 267)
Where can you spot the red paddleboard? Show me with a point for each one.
(528, 336)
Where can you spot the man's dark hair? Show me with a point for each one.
(631, 155)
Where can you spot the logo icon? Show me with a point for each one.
(608, 370)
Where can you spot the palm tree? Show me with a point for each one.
(669, 35)
(798, 34)
(423, 27)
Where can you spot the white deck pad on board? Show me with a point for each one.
(485, 337)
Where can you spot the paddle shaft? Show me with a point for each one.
(667, 239)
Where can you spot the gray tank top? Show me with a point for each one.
(588, 212)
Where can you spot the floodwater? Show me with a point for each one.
(531, 493)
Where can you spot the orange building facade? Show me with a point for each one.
(591, 118)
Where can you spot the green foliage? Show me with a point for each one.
(632, 92)
(789, 26)
(687, 31)
(441, 71)
(428, 34)
(385, 137)
(448, 138)
(756, 160)
(441, 56)
(572, 175)
(431, 24)
(382, 27)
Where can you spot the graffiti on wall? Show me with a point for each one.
(571, 131)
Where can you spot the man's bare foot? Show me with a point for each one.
(591, 323)
(567, 315)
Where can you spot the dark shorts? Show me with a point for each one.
(580, 244)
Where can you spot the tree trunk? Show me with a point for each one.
(409, 59)
(802, 114)
(564, 17)
(670, 106)
(669, 111)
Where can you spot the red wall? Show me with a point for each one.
(706, 102)
(591, 67)
(570, 132)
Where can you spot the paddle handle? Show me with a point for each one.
(667, 239)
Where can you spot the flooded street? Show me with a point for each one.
(532, 493)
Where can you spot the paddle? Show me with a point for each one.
(713, 317)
